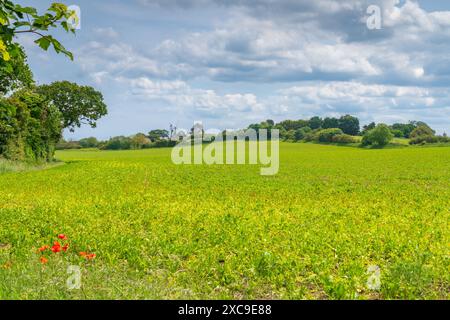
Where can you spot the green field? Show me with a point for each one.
(165, 231)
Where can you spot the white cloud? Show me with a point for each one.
(180, 95)
(320, 52)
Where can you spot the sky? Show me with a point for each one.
(229, 63)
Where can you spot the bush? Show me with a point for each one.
(89, 142)
(289, 135)
(429, 139)
(380, 136)
(422, 130)
(327, 135)
(301, 133)
(118, 143)
(310, 136)
(344, 138)
(397, 133)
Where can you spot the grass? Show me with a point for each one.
(164, 231)
(14, 166)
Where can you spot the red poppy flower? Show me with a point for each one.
(43, 260)
(65, 247)
(56, 247)
(91, 256)
(62, 236)
(88, 256)
(43, 248)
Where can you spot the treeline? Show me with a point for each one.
(346, 129)
(342, 130)
(154, 139)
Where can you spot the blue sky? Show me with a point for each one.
(232, 63)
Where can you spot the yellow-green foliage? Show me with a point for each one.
(166, 231)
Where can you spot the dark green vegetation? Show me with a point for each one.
(341, 131)
(166, 231)
(32, 117)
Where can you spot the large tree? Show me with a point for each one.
(315, 123)
(158, 134)
(329, 123)
(78, 105)
(349, 124)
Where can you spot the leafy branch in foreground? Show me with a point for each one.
(15, 20)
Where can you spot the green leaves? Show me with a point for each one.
(3, 51)
(43, 42)
(78, 104)
(15, 19)
(28, 10)
(46, 41)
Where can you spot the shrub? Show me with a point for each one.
(310, 136)
(89, 142)
(422, 130)
(289, 135)
(301, 133)
(344, 138)
(397, 133)
(380, 136)
(118, 143)
(429, 139)
(327, 135)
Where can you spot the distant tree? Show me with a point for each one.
(255, 126)
(422, 130)
(266, 125)
(315, 123)
(118, 143)
(329, 123)
(293, 124)
(271, 123)
(405, 128)
(90, 142)
(78, 104)
(368, 127)
(381, 135)
(326, 135)
(290, 135)
(397, 133)
(158, 134)
(349, 125)
(301, 133)
(283, 132)
(139, 141)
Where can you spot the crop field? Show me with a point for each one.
(316, 230)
